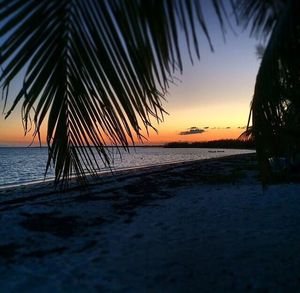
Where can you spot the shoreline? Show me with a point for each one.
(205, 226)
(114, 172)
(106, 171)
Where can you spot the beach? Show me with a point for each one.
(202, 226)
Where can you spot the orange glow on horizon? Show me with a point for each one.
(13, 135)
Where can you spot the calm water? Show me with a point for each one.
(20, 165)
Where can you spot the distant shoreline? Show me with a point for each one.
(221, 143)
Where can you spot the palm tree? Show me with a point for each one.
(100, 69)
(275, 106)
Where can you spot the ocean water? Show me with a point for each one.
(23, 165)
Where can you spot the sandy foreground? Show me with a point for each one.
(192, 227)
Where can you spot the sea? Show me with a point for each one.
(22, 165)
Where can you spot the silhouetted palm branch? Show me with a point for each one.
(98, 68)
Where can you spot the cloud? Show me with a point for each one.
(206, 127)
(228, 127)
(192, 130)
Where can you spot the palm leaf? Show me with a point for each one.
(259, 16)
(275, 107)
(97, 69)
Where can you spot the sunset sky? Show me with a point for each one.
(212, 96)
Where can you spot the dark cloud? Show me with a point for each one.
(192, 130)
(206, 127)
(228, 127)
(242, 127)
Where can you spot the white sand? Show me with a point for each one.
(193, 237)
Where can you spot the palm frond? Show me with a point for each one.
(276, 105)
(259, 16)
(96, 68)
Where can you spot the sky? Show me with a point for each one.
(211, 99)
